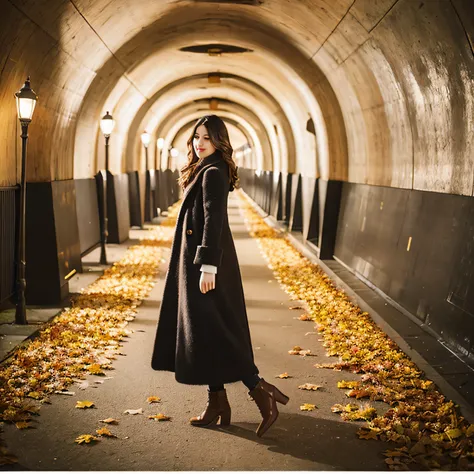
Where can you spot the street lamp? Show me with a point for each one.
(107, 125)
(146, 139)
(25, 105)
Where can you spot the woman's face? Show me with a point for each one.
(202, 143)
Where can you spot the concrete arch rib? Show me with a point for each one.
(178, 97)
(252, 128)
(294, 106)
(233, 88)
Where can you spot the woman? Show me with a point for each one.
(203, 333)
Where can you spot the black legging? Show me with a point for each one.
(250, 382)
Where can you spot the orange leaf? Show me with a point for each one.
(159, 417)
(153, 399)
(21, 425)
(105, 432)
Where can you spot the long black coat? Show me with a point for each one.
(204, 337)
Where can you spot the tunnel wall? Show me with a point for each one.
(416, 247)
(433, 278)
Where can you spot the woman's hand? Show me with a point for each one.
(207, 282)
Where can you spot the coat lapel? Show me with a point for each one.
(194, 181)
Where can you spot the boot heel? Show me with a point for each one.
(225, 419)
(280, 397)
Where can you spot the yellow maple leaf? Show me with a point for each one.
(453, 434)
(308, 407)
(309, 386)
(359, 415)
(86, 438)
(153, 399)
(159, 417)
(21, 425)
(470, 431)
(305, 317)
(348, 384)
(105, 432)
(84, 404)
(284, 375)
(95, 369)
(35, 395)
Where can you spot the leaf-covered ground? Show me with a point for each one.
(83, 339)
(427, 428)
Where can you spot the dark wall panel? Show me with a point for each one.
(87, 209)
(118, 208)
(296, 217)
(136, 218)
(7, 243)
(418, 248)
(52, 240)
(67, 232)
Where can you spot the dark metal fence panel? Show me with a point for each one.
(7, 243)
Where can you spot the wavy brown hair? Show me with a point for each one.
(219, 137)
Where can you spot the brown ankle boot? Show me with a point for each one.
(217, 406)
(266, 397)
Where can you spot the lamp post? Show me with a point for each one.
(160, 143)
(107, 125)
(146, 139)
(25, 105)
(174, 152)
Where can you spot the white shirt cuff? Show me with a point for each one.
(208, 268)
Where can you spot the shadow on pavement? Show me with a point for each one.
(332, 444)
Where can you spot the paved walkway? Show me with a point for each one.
(317, 440)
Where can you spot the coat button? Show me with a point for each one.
(189, 231)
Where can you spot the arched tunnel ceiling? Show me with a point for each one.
(180, 129)
(389, 84)
(248, 124)
(272, 73)
(247, 93)
(188, 91)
